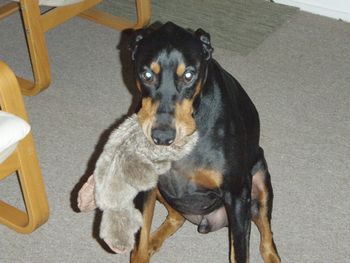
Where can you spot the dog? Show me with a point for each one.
(224, 181)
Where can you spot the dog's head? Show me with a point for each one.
(171, 66)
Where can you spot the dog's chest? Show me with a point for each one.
(192, 186)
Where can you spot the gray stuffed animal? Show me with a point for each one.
(129, 164)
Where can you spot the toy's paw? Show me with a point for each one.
(116, 247)
(86, 196)
(118, 229)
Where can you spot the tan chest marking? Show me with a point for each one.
(207, 178)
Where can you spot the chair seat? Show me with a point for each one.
(12, 130)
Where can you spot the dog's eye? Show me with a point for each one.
(188, 76)
(147, 76)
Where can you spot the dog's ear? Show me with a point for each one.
(204, 37)
(135, 41)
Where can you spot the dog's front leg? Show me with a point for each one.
(141, 254)
(238, 212)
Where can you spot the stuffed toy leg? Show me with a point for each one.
(117, 230)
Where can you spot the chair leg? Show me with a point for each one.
(37, 49)
(143, 11)
(10, 95)
(35, 42)
(33, 190)
(25, 161)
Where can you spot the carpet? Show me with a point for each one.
(236, 25)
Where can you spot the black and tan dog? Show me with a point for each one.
(225, 180)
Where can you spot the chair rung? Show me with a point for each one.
(12, 216)
(107, 19)
(8, 9)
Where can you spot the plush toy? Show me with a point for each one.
(129, 164)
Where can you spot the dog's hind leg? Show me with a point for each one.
(261, 210)
(171, 224)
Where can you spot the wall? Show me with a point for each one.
(338, 9)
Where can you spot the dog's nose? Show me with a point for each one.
(163, 137)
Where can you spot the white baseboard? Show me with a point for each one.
(338, 9)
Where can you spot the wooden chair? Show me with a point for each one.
(36, 24)
(24, 161)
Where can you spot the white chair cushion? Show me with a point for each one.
(56, 2)
(12, 130)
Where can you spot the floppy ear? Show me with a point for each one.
(135, 41)
(204, 37)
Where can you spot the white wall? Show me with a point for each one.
(339, 9)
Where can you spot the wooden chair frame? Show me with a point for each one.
(36, 24)
(24, 161)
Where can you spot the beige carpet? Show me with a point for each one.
(236, 25)
(298, 78)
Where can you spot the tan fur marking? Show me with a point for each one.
(141, 251)
(184, 122)
(260, 192)
(138, 85)
(207, 178)
(171, 224)
(232, 251)
(146, 115)
(198, 89)
(155, 67)
(180, 70)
